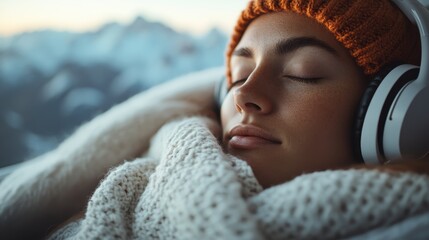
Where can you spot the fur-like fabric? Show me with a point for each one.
(192, 190)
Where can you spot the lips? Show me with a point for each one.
(250, 137)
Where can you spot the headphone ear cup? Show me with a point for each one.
(363, 108)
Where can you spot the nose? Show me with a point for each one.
(253, 97)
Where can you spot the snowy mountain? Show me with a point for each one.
(52, 81)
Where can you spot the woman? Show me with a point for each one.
(296, 71)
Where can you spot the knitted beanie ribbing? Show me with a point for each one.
(375, 33)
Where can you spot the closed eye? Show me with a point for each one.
(310, 80)
(237, 83)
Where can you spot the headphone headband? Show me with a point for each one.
(419, 15)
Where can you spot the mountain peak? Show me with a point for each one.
(139, 23)
(142, 24)
(214, 31)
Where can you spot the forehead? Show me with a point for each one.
(266, 30)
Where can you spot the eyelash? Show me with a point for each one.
(233, 84)
(313, 80)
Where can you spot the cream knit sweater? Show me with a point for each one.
(187, 188)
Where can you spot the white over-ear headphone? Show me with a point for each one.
(396, 123)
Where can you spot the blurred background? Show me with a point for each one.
(63, 62)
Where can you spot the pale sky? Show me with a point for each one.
(195, 16)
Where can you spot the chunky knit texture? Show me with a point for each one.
(189, 189)
(376, 33)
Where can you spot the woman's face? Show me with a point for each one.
(293, 98)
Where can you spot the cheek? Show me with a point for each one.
(324, 125)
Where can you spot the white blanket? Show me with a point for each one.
(187, 188)
(49, 189)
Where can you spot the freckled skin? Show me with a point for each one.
(313, 121)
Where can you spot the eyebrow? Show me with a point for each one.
(289, 45)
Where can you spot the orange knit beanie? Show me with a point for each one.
(375, 32)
